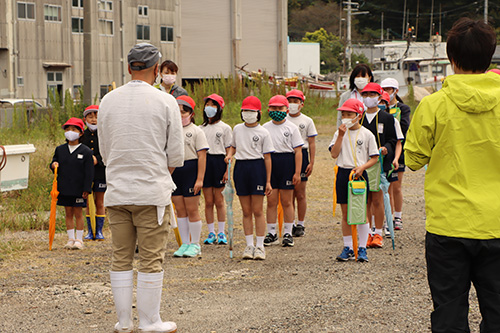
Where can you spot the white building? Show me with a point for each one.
(303, 58)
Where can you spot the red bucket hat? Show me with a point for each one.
(251, 103)
(75, 122)
(216, 98)
(373, 87)
(89, 109)
(187, 101)
(297, 94)
(278, 100)
(353, 105)
(386, 97)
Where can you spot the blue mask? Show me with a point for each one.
(210, 111)
(382, 107)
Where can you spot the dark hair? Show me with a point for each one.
(188, 109)
(170, 65)
(471, 44)
(362, 69)
(258, 115)
(215, 118)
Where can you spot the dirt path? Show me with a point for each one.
(295, 289)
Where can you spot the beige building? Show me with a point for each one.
(42, 41)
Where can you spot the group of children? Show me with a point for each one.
(274, 160)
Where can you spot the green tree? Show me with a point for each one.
(331, 49)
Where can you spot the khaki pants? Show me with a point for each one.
(130, 224)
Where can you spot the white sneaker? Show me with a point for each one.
(77, 245)
(248, 252)
(259, 254)
(69, 245)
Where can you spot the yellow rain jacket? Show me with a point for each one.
(457, 132)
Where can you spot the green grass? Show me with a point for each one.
(28, 209)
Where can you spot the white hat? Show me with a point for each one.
(390, 83)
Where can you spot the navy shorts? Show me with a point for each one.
(402, 168)
(215, 170)
(99, 185)
(250, 177)
(185, 178)
(305, 163)
(341, 184)
(283, 169)
(393, 177)
(71, 201)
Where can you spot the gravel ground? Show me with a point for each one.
(295, 289)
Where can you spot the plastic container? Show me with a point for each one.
(14, 176)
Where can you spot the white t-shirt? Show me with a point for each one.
(362, 141)
(370, 116)
(399, 132)
(251, 143)
(219, 137)
(306, 127)
(194, 141)
(285, 136)
(72, 148)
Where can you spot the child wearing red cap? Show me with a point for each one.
(252, 147)
(381, 124)
(219, 136)
(357, 153)
(285, 174)
(308, 132)
(91, 140)
(189, 181)
(75, 172)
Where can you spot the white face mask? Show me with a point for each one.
(350, 122)
(71, 136)
(360, 82)
(391, 96)
(169, 78)
(293, 108)
(91, 127)
(370, 102)
(249, 117)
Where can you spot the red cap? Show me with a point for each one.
(216, 98)
(353, 105)
(373, 87)
(89, 109)
(386, 97)
(296, 93)
(75, 122)
(278, 100)
(187, 101)
(251, 103)
(495, 70)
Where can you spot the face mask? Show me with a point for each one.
(210, 111)
(349, 122)
(382, 107)
(392, 96)
(370, 102)
(360, 82)
(169, 78)
(294, 108)
(91, 127)
(277, 115)
(186, 121)
(72, 136)
(249, 117)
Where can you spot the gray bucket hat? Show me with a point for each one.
(145, 53)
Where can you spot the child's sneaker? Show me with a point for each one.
(248, 253)
(271, 239)
(192, 251)
(387, 231)
(398, 224)
(369, 241)
(69, 245)
(377, 241)
(287, 241)
(222, 240)
(347, 254)
(259, 253)
(181, 250)
(78, 245)
(298, 230)
(210, 239)
(362, 257)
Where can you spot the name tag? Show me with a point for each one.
(79, 156)
(381, 128)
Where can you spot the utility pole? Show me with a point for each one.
(350, 12)
(432, 14)
(382, 28)
(404, 23)
(486, 11)
(418, 14)
(87, 50)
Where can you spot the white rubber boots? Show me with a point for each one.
(149, 288)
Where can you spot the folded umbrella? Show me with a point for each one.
(53, 208)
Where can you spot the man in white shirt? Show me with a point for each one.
(140, 139)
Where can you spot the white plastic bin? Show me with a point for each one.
(15, 174)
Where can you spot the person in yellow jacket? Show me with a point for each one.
(456, 131)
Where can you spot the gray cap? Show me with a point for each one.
(143, 52)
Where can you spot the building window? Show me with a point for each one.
(77, 92)
(78, 3)
(106, 27)
(143, 32)
(167, 34)
(105, 89)
(54, 86)
(105, 5)
(20, 81)
(77, 25)
(52, 13)
(25, 11)
(143, 10)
